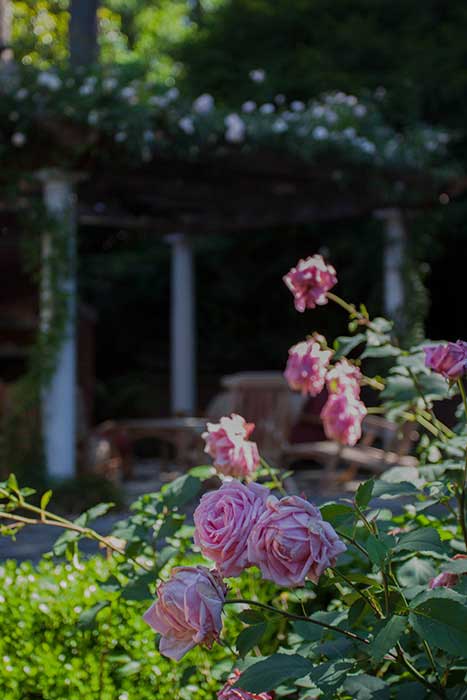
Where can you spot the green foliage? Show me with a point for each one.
(62, 638)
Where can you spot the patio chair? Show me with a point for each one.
(393, 444)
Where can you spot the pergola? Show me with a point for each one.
(178, 197)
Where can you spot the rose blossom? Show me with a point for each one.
(228, 445)
(187, 610)
(449, 360)
(342, 417)
(223, 522)
(446, 579)
(342, 377)
(291, 542)
(310, 281)
(228, 692)
(306, 367)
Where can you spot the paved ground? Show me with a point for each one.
(34, 541)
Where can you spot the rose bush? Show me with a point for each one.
(363, 597)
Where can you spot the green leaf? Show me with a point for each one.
(337, 513)
(415, 572)
(203, 472)
(181, 491)
(163, 558)
(364, 493)
(357, 612)
(87, 619)
(455, 566)
(345, 344)
(442, 622)
(380, 351)
(365, 687)
(98, 511)
(377, 550)
(138, 588)
(308, 632)
(45, 499)
(250, 637)
(388, 637)
(271, 672)
(251, 617)
(12, 483)
(387, 488)
(330, 676)
(425, 539)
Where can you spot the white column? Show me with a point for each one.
(59, 393)
(182, 326)
(393, 263)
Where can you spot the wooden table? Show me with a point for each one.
(183, 433)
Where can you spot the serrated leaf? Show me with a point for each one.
(442, 622)
(269, 673)
(377, 550)
(249, 638)
(364, 493)
(425, 539)
(388, 637)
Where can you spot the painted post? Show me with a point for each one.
(182, 326)
(59, 392)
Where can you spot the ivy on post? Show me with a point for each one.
(58, 324)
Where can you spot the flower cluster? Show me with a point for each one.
(238, 526)
(147, 119)
(308, 364)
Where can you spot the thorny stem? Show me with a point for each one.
(361, 593)
(353, 541)
(292, 616)
(421, 678)
(56, 521)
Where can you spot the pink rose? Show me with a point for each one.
(446, 579)
(228, 692)
(310, 281)
(306, 367)
(344, 377)
(449, 360)
(291, 542)
(187, 610)
(223, 522)
(228, 445)
(342, 417)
